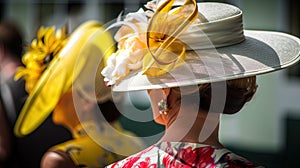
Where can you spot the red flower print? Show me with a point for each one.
(167, 160)
(188, 157)
(146, 164)
(169, 149)
(239, 163)
(130, 161)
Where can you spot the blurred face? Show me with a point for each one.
(66, 112)
(71, 105)
(65, 109)
(156, 95)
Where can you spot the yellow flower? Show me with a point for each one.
(40, 54)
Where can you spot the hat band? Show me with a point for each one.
(214, 34)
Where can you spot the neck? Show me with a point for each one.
(202, 127)
(65, 119)
(71, 125)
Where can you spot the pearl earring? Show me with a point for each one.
(163, 107)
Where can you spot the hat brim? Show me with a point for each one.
(261, 52)
(58, 78)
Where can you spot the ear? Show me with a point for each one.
(166, 92)
(88, 106)
(149, 91)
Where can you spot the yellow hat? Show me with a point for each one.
(55, 63)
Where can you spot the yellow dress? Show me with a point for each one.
(86, 152)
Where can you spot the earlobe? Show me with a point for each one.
(166, 92)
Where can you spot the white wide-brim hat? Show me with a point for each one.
(217, 49)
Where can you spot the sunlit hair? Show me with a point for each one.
(238, 92)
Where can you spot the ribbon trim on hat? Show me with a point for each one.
(165, 51)
(155, 52)
(39, 55)
(157, 42)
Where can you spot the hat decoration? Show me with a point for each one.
(157, 46)
(153, 45)
(40, 53)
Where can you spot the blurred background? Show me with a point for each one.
(267, 130)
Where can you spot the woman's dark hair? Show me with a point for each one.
(11, 38)
(238, 92)
(109, 111)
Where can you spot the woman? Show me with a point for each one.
(14, 150)
(84, 150)
(11, 40)
(59, 77)
(196, 61)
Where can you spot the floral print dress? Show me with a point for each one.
(183, 155)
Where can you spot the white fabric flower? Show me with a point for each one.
(131, 47)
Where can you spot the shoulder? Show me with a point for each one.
(84, 151)
(233, 160)
(79, 146)
(143, 158)
(56, 159)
